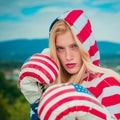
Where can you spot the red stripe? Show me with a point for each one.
(106, 82)
(31, 74)
(72, 109)
(85, 32)
(91, 77)
(72, 16)
(112, 81)
(37, 67)
(93, 49)
(96, 62)
(117, 116)
(46, 64)
(81, 109)
(47, 57)
(111, 100)
(98, 113)
(63, 101)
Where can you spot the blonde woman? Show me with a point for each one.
(73, 47)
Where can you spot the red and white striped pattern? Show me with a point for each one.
(81, 26)
(41, 68)
(107, 90)
(62, 101)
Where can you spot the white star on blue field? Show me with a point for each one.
(31, 19)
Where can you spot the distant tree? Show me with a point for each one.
(20, 110)
(2, 81)
(10, 65)
(13, 105)
(4, 110)
(9, 88)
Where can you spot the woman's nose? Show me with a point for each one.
(69, 55)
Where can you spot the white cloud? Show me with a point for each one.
(105, 24)
(98, 2)
(23, 30)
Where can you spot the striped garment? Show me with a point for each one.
(105, 88)
(39, 70)
(41, 67)
(64, 101)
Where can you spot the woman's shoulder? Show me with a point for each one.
(108, 80)
(102, 80)
(103, 84)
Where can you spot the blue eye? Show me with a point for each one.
(59, 48)
(75, 46)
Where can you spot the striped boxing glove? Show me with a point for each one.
(69, 101)
(35, 73)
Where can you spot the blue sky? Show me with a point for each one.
(31, 18)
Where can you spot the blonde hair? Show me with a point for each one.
(61, 27)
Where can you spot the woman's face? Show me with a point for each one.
(68, 53)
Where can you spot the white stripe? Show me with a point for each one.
(94, 82)
(46, 60)
(107, 92)
(63, 16)
(46, 51)
(81, 116)
(41, 65)
(80, 23)
(114, 109)
(95, 57)
(90, 41)
(37, 72)
(69, 118)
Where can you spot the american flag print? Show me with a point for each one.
(33, 111)
(63, 101)
(40, 67)
(35, 73)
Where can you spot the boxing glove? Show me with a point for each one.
(40, 69)
(71, 101)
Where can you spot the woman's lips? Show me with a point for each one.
(70, 65)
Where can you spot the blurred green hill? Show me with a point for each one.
(21, 49)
